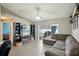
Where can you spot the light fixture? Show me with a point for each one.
(38, 17)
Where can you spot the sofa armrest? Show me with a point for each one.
(49, 53)
(49, 41)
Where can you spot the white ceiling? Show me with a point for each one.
(47, 10)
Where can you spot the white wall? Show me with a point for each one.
(36, 31)
(75, 32)
(0, 11)
(8, 13)
(64, 25)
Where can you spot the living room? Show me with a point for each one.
(48, 28)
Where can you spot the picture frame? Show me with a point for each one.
(75, 22)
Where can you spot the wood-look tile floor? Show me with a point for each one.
(33, 48)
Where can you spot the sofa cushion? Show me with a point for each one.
(55, 52)
(49, 41)
(54, 36)
(60, 44)
(72, 47)
(62, 37)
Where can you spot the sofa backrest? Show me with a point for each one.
(54, 36)
(62, 36)
(59, 36)
(72, 47)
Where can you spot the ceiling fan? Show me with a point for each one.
(38, 15)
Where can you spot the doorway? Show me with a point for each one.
(6, 31)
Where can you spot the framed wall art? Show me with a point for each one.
(75, 22)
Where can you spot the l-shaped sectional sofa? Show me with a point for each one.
(65, 45)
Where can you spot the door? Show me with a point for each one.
(6, 31)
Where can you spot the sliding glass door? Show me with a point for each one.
(46, 31)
